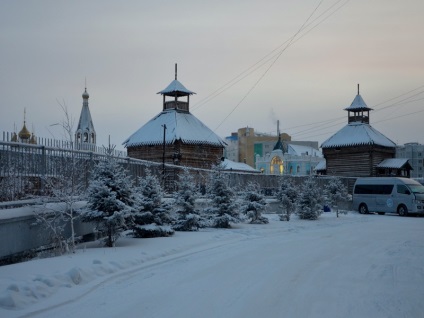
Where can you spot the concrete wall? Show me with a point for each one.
(19, 233)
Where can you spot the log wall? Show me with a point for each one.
(358, 161)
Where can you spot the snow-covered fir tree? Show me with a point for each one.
(110, 198)
(287, 195)
(309, 203)
(188, 217)
(152, 217)
(335, 193)
(253, 204)
(223, 208)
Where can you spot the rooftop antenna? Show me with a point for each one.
(175, 71)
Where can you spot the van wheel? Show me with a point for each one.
(363, 209)
(402, 210)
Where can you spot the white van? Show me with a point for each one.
(388, 195)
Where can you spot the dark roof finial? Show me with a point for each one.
(358, 88)
(175, 71)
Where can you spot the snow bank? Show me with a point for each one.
(351, 266)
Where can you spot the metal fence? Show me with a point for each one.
(25, 169)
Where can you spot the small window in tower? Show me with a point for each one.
(85, 137)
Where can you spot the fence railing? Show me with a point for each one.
(63, 144)
(25, 169)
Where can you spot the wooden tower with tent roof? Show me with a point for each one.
(357, 148)
(175, 136)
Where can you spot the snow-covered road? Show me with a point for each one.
(352, 266)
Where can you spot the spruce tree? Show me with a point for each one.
(223, 208)
(309, 204)
(110, 198)
(152, 217)
(188, 218)
(335, 193)
(287, 195)
(253, 204)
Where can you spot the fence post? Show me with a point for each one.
(43, 169)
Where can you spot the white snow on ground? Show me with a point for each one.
(351, 266)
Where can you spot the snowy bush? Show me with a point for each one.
(309, 203)
(287, 195)
(188, 218)
(335, 193)
(223, 208)
(253, 204)
(152, 217)
(110, 199)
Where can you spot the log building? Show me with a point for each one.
(357, 149)
(175, 136)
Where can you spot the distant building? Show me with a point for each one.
(414, 152)
(232, 166)
(85, 135)
(245, 145)
(358, 149)
(176, 136)
(289, 159)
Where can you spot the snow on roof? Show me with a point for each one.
(237, 166)
(357, 134)
(298, 150)
(394, 163)
(358, 104)
(175, 86)
(322, 165)
(179, 126)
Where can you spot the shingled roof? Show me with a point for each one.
(357, 134)
(179, 126)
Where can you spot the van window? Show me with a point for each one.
(418, 189)
(402, 189)
(373, 189)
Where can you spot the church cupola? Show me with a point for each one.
(175, 91)
(358, 111)
(24, 134)
(85, 133)
(279, 144)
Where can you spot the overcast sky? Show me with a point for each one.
(127, 49)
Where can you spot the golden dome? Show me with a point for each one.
(24, 134)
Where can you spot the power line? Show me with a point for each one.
(270, 56)
(292, 40)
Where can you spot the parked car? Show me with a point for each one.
(388, 195)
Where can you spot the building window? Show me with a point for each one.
(276, 166)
